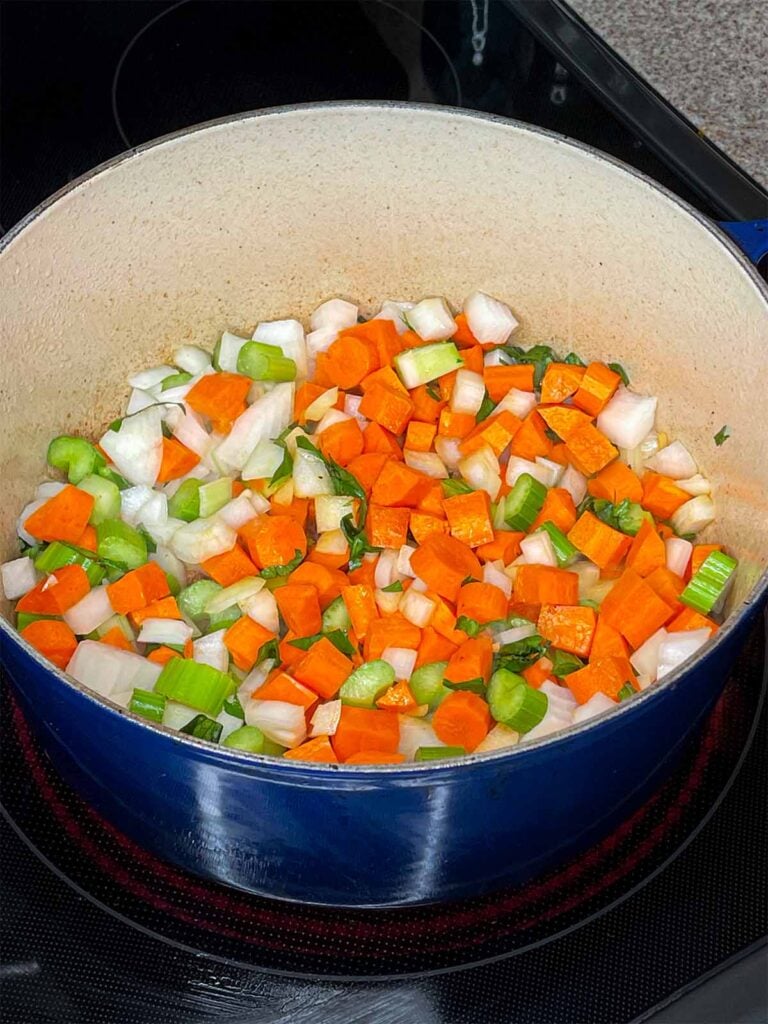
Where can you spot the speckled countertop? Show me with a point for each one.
(709, 58)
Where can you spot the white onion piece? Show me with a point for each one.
(255, 678)
(163, 534)
(694, 515)
(575, 483)
(695, 485)
(145, 379)
(674, 461)
(518, 402)
(415, 733)
(335, 313)
(18, 576)
(393, 310)
(330, 509)
(598, 704)
(320, 341)
(187, 427)
(386, 601)
(428, 463)
(490, 320)
(191, 359)
(402, 660)
(288, 335)
(310, 475)
(210, 650)
(332, 543)
(90, 612)
(263, 461)
(322, 404)
(419, 585)
(538, 549)
(109, 670)
(176, 715)
(325, 720)
(259, 502)
(281, 722)
(637, 457)
(679, 553)
(238, 511)
(416, 607)
(229, 724)
(493, 573)
(266, 418)
(404, 560)
(553, 721)
(49, 488)
(515, 633)
(132, 500)
(448, 450)
(494, 357)
(481, 469)
(645, 660)
(329, 419)
(558, 696)
(26, 512)
(201, 539)
(154, 511)
(432, 320)
(499, 738)
(627, 418)
(169, 563)
(136, 449)
(262, 608)
(468, 392)
(553, 469)
(517, 466)
(164, 631)
(236, 594)
(352, 408)
(138, 400)
(385, 572)
(676, 648)
(588, 573)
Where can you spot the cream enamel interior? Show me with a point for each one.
(265, 216)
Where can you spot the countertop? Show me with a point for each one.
(708, 58)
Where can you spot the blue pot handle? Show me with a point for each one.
(751, 236)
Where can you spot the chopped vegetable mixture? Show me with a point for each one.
(400, 539)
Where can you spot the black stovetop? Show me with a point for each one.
(93, 929)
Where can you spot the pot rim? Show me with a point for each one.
(321, 771)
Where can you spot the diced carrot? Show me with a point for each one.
(665, 531)
(54, 597)
(419, 436)
(560, 381)
(455, 424)
(375, 757)
(274, 540)
(443, 620)
(229, 567)
(138, 588)
(398, 484)
(422, 524)
(565, 420)
(647, 551)
(472, 358)
(433, 647)
(666, 585)
(445, 385)
(606, 675)
(444, 563)
(382, 334)
(634, 608)
(689, 619)
(543, 584)
(596, 389)
(63, 517)
(700, 554)
(160, 655)
(539, 672)
(482, 602)
(53, 639)
(432, 500)
(282, 686)
(462, 719)
(425, 406)
(560, 454)
(365, 574)
(469, 518)
(220, 397)
(298, 509)
(607, 642)
(377, 439)
(244, 639)
(365, 468)
(472, 660)
(348, 360)
(88, 541)
(531, 439)
(590, 450)
(463, 335)
(499, 380)
(115, 637)
(323, 668)
(361, 607)
(363, 729)
(164, 608)
(390, 408)
(327, 582)
(288, 654)
(599, 542)
(300, 608)
(342, 441)
(524, 610)
(615, 482)
(496, 433)
(318, 750)
(571, 628)
(397, 698)
(387, 527)
(384, 375)
(558, 508)
(661, 495)
(178, 460)
(505, 546)
(306, 394)
(390, 631)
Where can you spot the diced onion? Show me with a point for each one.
(352, 408)
(448, 450)
(320, 341)
(191, 359)
(262, 608)
(169, 563)
(645, 660)
(597, 704)
(432, 320)
(694, 515)
(695, 485)
(322, 404)
(627, 418)
(325, 720)
(90, 612)
(559, 697)
(138, 400)
(187, 427)
(495, 575)
(519, 403)
(48, 488)
(589, 576)
(238, 512)
(386, 601)
(428, 463)
(468, 392)
(236, 594)
(575, 483)
(676, 648)
(515, 633)
(164, 631)
(417, 608)
(18, 576)
(402, 660)
(132, 500)
(136, 448)
(287, 335)
(310, 475)
(263, 461)
(266, 418)
(392, 310)
(385, 572)
(490, 320)
(210, 650)
(517, 466)
(553, 469)
(202, 539)
(674, 461)
(332, 543)
(499, 738)
(538, 549)
(281, 722)
(335, 313)
(329, 419)
(481, 470)
(148, 378)
(404, 560)
(415, 733)
(679, 553)
(111, 671)
(330, 509)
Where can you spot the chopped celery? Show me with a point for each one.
(193, 599)
(198, 686)
(564, 663)
(203, 728)
(148, 704)
(709, 584)
(470, 626)
(109, 474)
(248, 738)
(523, 503)
(265, 362)
(122, 624)
(427, 685)
(120, 543)
(223, 619)
(214, 496)
(23, 619)
(74, 456)
(336, 616)
(106, 498)
(452, 487)
(427, 362)
(565, 552)
(368, 682)
(175, 380)
(58, 554)
(438, 753)
(233, 707)
(514, 703)
(626, 692)
(185, 503)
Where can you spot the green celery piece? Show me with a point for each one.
(438, 753)
(74, 456)
(120, 544)
(248, 738)
(367, 683)
(427, 684)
